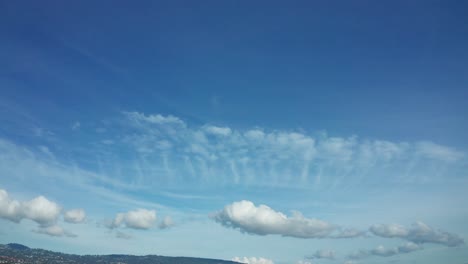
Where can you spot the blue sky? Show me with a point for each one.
(266, 132)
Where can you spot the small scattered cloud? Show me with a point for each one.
(438, 152)
(55, 231)
(218, 131)
(136, 219)
(167, 222)
(154, 119)
(349, 233)
(76, 125)
(122, 235)
(262, 220)
(419, 233)
(323, 254)
(253, 260)
(382, 251)
(75, 216)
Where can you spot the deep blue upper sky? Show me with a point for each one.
(396, 70)
(351, 112)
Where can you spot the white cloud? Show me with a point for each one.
(389, 230)
(219, 131)
(75, 216)
(262, 220)
(54, 230)
(323, 254)
(167, 222)
(39, 209)
(76, 125)
(136, 219)
(382, 251)
(419, 233)
(438, 152)
(258, 156)
(154, 119)
(349, 233)
(253, 260)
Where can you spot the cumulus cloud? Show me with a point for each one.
(39, 209)
(419, 233)
(262, 220)
(323, 254)
(54, 230)
(382, 251)
(136, 219)
(75, 216)
(253, 260)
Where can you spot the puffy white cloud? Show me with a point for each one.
(419, 233)
(253, 260)
(262, 220)
(75, 216)
(323, 254)
(39, 209)
(136, 219)
(54, 230)
(10, 209)
(303, 262)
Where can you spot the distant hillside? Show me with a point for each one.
(17, 246)
(17, 253)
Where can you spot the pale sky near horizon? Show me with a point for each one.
(258, 131)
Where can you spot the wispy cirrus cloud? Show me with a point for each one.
(173, 150)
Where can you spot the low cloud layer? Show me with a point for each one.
(136, 219)
(54, 230)
(262, 220)
(382, 251)
(253, 260)
(419, 233)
